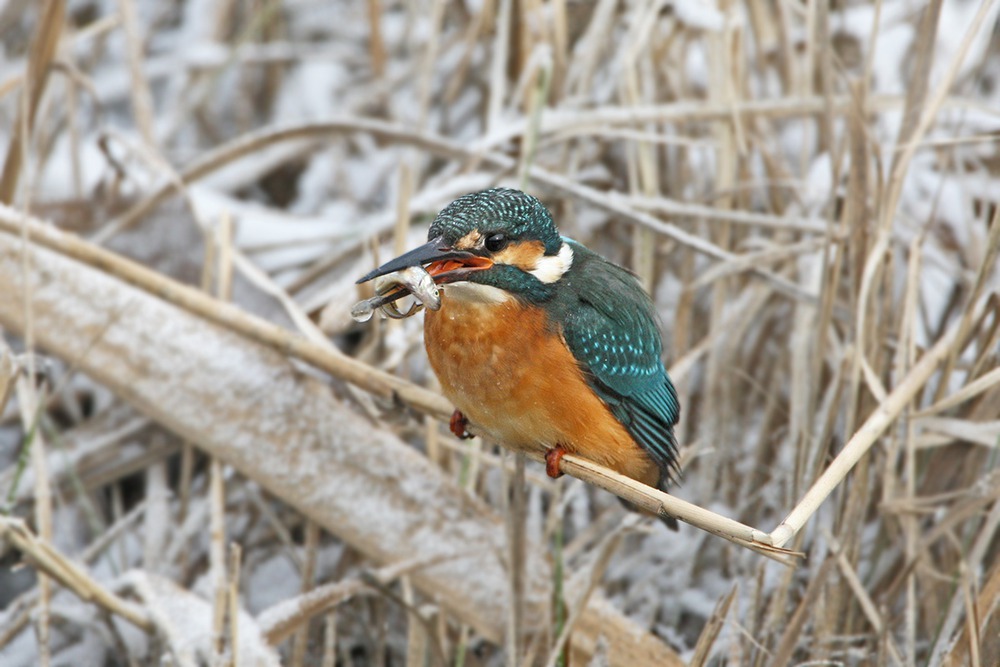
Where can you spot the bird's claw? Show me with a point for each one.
(552, 458)
(459, 425)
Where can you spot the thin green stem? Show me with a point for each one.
(22, 460)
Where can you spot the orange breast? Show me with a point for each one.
(518, 382)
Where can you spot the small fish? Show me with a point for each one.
(413, 280)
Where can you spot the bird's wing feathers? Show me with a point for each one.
(611, 331)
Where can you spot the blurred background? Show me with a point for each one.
(808, 190)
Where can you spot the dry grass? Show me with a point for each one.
(808, 191)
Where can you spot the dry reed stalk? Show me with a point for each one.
(662, 504)
(560, 45)
(584, 121)
(538, 80)
(376, 46)
(591, 50)
(962, 646)
(990, 253)
(233, 602)
(984, 383)
(300, 642)
(157, 517)
(217, 273)
(184, 484)
(430, 53)
(709, 635)
(416, 636)
(643, 162)
(498, 63)
(459, 78)
(790, 637)
(18, 612)
(330, 640)
(73, 120)
(46, 558)
(854, 583)
(9, 370)
(974, 559)
(867, 434)
(44, 45)
(217, 551)
(670, 207)
(515, 510)
(906, 356)
(400, 239)
(281, 621)
(910, 140)
(826, 57)
(142, 99)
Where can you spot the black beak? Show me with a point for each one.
(434, 250)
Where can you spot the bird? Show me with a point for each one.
(543, 344)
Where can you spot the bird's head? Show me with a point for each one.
(490, 246)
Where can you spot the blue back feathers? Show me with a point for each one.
(609, 324)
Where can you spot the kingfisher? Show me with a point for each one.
(541, 343)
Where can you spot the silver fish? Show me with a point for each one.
(413, 280)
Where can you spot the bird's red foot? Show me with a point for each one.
(552, 458)
(459, 425)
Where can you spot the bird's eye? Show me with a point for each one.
(496, 242)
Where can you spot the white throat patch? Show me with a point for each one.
(551, 268)
(475, 292)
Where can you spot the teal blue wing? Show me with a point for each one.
(612, 332)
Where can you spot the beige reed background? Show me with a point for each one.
(206, 461)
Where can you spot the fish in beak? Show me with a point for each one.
(407, 275)
(444, 263)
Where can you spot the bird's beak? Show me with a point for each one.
(445, 264)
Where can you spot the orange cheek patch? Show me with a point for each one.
(524, 255)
